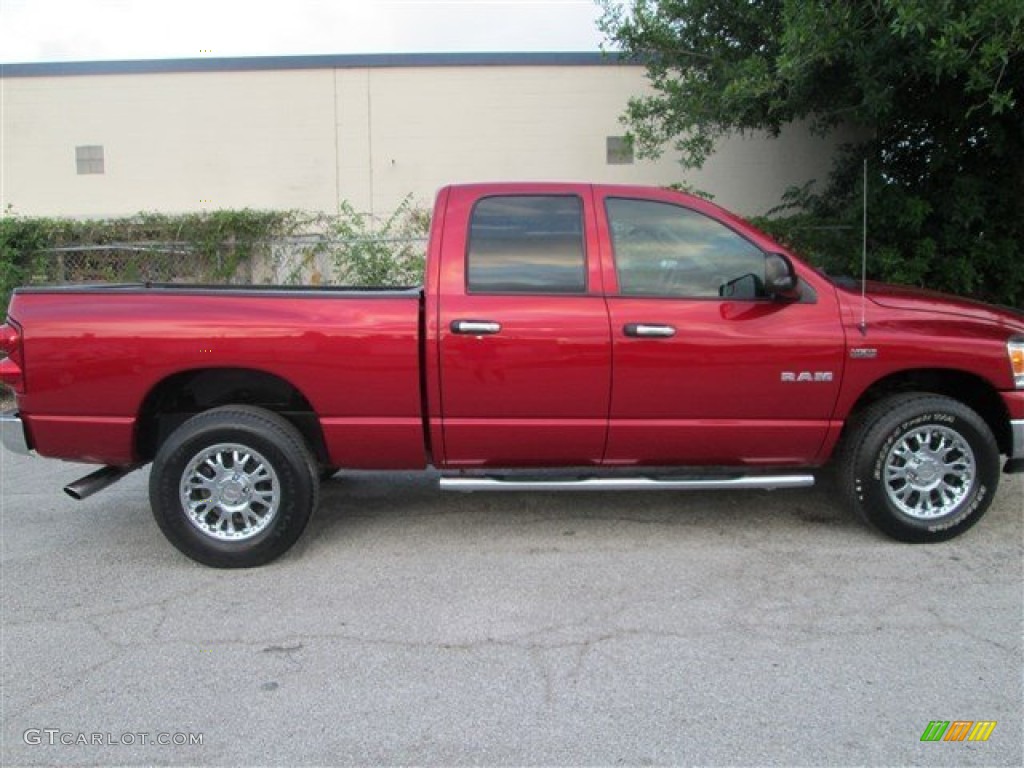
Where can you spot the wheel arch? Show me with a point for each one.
(181, 395)
(970, 389)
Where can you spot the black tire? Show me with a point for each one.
(919, 467)
(253, 485)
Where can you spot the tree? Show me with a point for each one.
(938, 86)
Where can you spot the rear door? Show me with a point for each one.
(524, 340)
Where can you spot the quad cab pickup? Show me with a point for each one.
(568, 337)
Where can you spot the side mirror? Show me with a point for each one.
(780, 280)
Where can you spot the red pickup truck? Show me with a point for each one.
(568, 337)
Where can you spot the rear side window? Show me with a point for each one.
(527, 244)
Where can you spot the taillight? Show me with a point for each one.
(11, 374)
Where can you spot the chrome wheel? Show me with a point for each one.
(230, 492)
(929, 471)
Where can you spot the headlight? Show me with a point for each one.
(1015, 348)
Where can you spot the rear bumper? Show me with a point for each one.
(12, 433)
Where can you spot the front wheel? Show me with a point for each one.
(920, 468)
(234, 487)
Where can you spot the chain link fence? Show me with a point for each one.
(302, 260)
(132, 263)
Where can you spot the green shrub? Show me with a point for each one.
(387, 253)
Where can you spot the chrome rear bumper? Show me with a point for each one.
(12, 433)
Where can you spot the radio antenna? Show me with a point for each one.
(864, 259)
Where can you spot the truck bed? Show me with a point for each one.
(99, 356)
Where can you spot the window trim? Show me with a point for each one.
(584, 292)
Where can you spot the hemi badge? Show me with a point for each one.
(863, 353)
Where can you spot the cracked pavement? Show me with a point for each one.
(414, 627)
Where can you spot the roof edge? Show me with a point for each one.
(328, 61)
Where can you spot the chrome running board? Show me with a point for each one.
(742, 482)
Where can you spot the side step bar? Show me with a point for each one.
(745, 482)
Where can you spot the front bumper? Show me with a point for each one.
(12, 433)
(1015, 462)
(1017, 443)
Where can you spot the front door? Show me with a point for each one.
(707, 369)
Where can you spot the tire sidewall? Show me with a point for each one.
(869, 467)
(293, 469)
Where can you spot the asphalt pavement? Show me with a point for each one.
(414, 627)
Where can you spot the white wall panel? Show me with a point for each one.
(307, 138)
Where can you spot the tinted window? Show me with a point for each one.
(666, 250)
(527, 244)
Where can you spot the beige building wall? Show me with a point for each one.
(309, 138)
(172, 142)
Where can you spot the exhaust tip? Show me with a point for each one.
(86, 486)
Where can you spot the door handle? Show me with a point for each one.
(476, 327)
(649, 330)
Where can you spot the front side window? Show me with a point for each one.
(667, 250)
(527, 244)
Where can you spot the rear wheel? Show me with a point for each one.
(234, 487)
(920, 468)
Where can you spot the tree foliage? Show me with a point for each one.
(937, 86)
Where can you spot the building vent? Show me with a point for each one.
(619, 150)
(89, 159)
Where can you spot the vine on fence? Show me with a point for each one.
(386, 253)
(212, 246)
